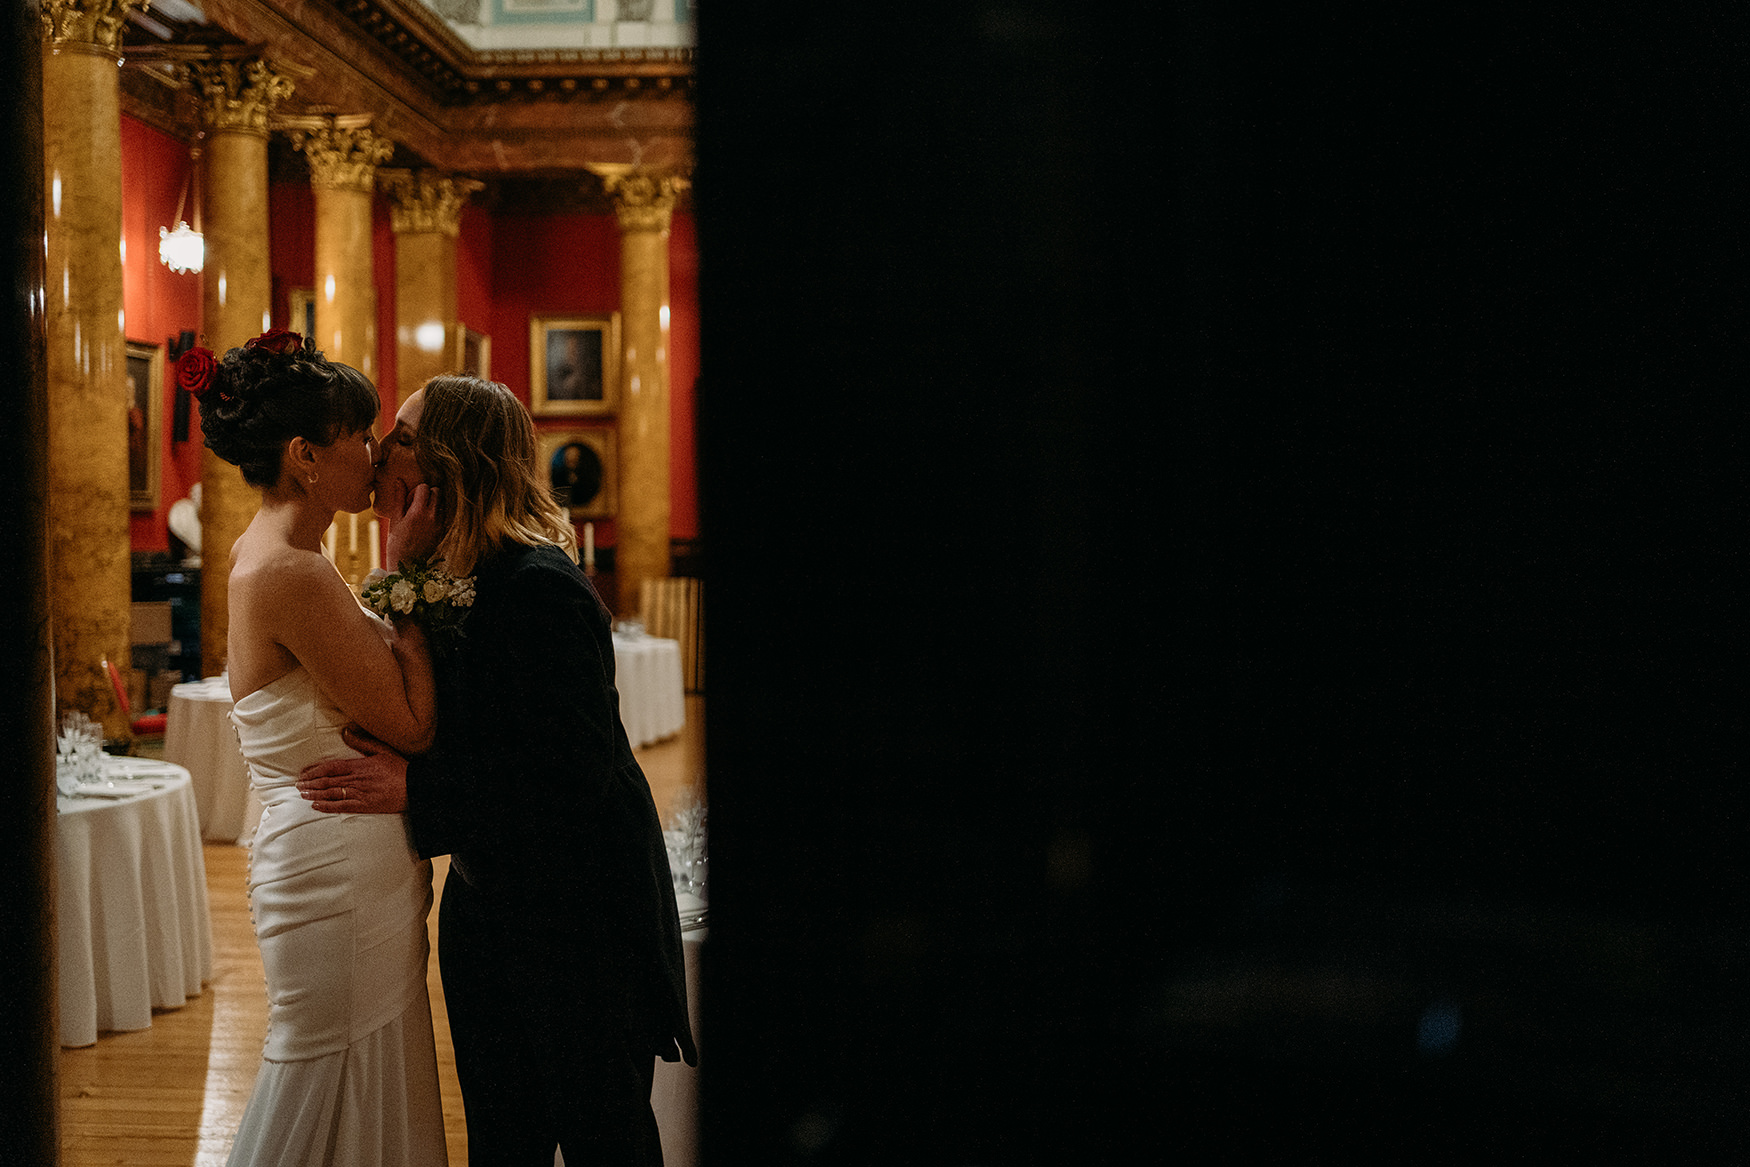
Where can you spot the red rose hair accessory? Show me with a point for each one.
(194, 371)
(278, 341)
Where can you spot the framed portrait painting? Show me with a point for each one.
(301, 311)
(471, 352)
(583, 469)
(145, 372)
(574, 365)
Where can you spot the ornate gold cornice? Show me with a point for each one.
(344, 152)
(426, 45)
(85, 25)
(426, 202)
(238, 95)
(643, 199)
(491, 115)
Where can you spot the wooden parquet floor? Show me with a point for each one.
(174, 1094)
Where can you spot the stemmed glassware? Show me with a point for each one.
(687, 851)
(78, 753)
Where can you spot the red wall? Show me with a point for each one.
(474, 277)
(157, 303)
(508, 267)
(549, 265)
(291, 245)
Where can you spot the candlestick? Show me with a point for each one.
(352, 546)
(376, 547)
(589, 544)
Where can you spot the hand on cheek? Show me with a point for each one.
(413, 530)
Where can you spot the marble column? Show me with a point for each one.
(427, 218)
(90, 570)
(344, 153)
(237, 96)
(644, 202)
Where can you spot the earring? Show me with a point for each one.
(312, 480)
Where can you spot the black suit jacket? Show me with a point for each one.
(531, 786)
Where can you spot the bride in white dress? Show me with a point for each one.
(349, 1070)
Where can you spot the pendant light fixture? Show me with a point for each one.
(183, 249)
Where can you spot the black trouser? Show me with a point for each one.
(541, 1019)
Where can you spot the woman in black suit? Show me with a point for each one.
(559, 941)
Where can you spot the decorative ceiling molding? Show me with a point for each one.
(497, 114)
(426, 44)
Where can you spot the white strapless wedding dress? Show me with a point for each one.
(349, 1072)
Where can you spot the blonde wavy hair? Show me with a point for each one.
(476, 444)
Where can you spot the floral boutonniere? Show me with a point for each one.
(424, 593)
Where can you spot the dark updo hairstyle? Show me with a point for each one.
(263, 396)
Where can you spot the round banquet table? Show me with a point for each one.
(131, 900)
(647, 671)
(199, 736)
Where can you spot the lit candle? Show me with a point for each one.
(589, 544)
(352, 545)
(376, 551)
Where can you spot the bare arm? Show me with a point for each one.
(413, 654)
(382, 682)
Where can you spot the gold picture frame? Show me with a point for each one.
(301, 311)
(471, 352)
(145, 374)
(301, 317)
(574, 365)
(596, 462)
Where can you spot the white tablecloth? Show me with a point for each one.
(647, 671)
(674, 1094)
(199, 737)
(132, 902)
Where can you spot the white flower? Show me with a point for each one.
(434, 590)
(401, 596)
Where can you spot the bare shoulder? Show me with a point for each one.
(283, 575)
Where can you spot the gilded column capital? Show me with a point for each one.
(343, 155)
(88, 25)
(238, 94)
(643, 199)
(426, 202)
